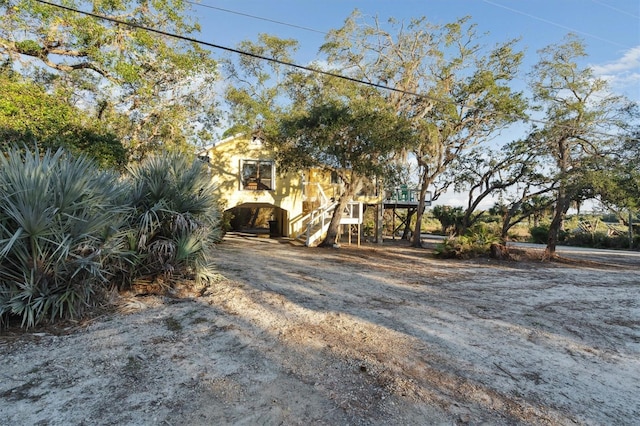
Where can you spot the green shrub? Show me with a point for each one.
(585, 239)
(29, 113)
(484, 233)
(56, 213)
(450, 218)
(539, 234)
(68, 229)
(174, 220)
(455, 248)
(599, 240)
(477, 242)
(616, 242)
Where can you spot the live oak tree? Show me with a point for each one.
(528, 202)
(310, 120)
(152, 90)
(484, 172)
(463, 93)
(623, 169)
(580, 126)
(257, 90)
(339, 127)
(616, 180)
(30, 117)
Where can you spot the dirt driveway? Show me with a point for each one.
(359, 336)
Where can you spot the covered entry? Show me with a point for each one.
(259, 218)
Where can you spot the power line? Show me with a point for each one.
(528, 15)
(240, 52)
(519, 76)
(259, 18)
(624, 12)
(286, 63)
(555, 24)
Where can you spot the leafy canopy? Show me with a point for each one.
(340, 127)
(154, 91)
(29, 115)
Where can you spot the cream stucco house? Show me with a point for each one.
(299, 204)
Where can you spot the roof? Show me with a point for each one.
(205, 149)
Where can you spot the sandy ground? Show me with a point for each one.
(380, 335)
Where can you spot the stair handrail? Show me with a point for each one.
(325, 200)
(320, 216)
(306, 219)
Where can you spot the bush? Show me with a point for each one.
(28, 113)
(56, 213)
(450, 218)
(600, 240)
(586, 239)
(68, 230)
(477, 242)
(173, 223)
(539, 234)
(456, 248)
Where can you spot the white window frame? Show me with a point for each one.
(258, 162)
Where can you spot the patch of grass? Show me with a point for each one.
(172, 324)
(134, 365)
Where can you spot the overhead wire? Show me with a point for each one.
(519, 77)
(259, 18)
(529, 15)
(624, 12)
(238, 51)
(285, 63)
(511, 9)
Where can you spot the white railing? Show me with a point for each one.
(321, 218)
(319, 222)
(352, 213)
(318, 188)
(299, 223)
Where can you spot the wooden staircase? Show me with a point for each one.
(316, 222)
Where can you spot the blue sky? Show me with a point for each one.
(610, 28)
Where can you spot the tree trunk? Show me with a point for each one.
(416, 241)
(630, 230)
(506, 225)
(562, 206)
(466, 218)
(333, 231)
(379, 222)
(407, 228)
(464, 225)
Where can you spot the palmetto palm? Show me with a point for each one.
(67, 229)
(56, 212)
(174, 219)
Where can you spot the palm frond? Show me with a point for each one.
(56, 212)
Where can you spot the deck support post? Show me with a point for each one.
(379, 221)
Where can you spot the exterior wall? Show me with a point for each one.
(296, 194)
(225, 159)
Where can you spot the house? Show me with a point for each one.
(295, 204)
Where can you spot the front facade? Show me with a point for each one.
(247, 177)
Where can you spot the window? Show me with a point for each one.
(257, 175)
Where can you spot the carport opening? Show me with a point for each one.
(259, 220)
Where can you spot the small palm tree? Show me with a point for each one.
(174, 219)
(56, 213)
